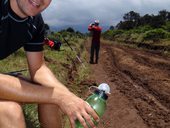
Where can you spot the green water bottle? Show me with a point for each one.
(97, 101)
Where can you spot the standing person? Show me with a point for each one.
(95, 44)
(21, 25)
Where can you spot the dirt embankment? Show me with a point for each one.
(140, 86)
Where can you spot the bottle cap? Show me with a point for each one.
(104, 87)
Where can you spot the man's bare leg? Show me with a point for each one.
(11, 115)
(49, 116)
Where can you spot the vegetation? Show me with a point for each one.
(133, 19)
(148, 31)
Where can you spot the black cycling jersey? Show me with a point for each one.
(16, 32)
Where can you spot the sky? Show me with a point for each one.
(78, 14)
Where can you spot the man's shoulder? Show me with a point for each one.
(98, 28)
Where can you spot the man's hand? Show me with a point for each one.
(92, 24)
(76, 108)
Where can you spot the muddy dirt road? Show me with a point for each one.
(140, 87)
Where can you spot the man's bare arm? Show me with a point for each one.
(15, 89)
(70, 104)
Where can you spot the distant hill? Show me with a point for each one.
(80, 28)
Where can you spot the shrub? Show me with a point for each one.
(167, 26)
(156, 34)
(110, 34)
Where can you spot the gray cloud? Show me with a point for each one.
(79, 13)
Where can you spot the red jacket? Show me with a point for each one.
(96, 32)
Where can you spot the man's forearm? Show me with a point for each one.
(45, 77)
(12, 88)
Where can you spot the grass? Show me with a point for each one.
(14, 62)
(162, 46)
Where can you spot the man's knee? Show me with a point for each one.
(11, 111)
(16, 109)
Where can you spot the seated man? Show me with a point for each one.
(21, 25)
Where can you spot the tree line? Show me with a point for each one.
(133, 20)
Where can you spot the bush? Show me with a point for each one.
(156, 34)
(167, 26)
(110, 34)
(142, 29)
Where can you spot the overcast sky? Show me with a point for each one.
(79, 13)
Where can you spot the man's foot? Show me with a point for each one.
(91, 62)
(96, 62)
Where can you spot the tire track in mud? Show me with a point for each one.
(120, 113)
(152, 106)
